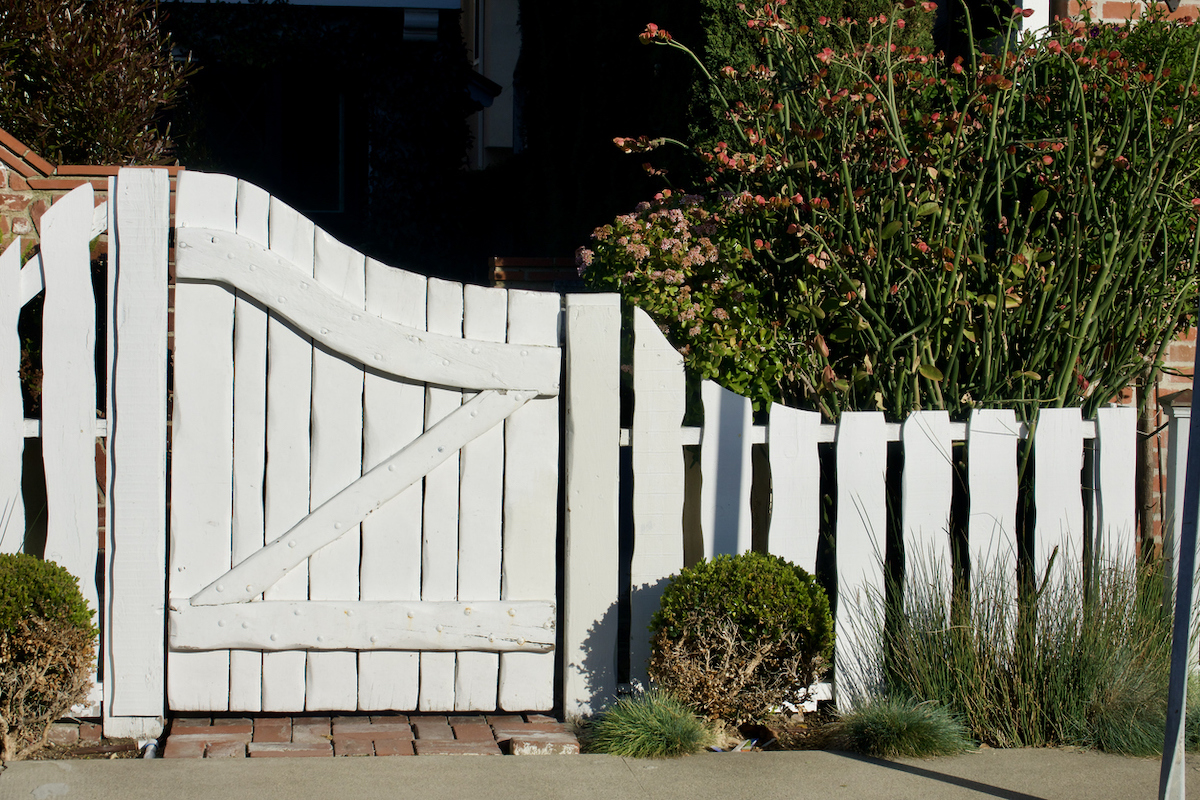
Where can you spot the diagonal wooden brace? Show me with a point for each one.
(356, 502)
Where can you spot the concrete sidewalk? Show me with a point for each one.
(1008, 774)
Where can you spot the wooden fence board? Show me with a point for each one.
(592, 470)
(249, 436)
(12, 411)
(1116, 519)
(69, 390)
(393, 415)
(136, 511)
(202, 442)
(286, 482)
(861, 538)
(795, 485)
(485, 318)
(439, 553)
(727, 469)
(658, 480)
(337, 397)
(1058, 464)
(530, 505)
(927, 488)
(992, 488)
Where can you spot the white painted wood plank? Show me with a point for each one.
(530, 505)
(927, 489)
(393, 416)
(12, 412)
(1116, 522)
(285, 485)
(439, 551)
(342, 327)
(485, 318)
(1058, 499)
(339, 516)
(592, 469)
(337, 397)
(323, 625)
(202, 441)
(795, 485)
(992, 490)
(727, 470)
(861, 539)
(134, 681)
(249, 436)
(658, 480)
(69, 390)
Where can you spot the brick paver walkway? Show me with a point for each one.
(391, 735)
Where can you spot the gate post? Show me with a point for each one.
(134, 617)
(593, 431)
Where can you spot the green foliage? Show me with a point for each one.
(648, 725)
(1073, 667)
(31, 587)
(726, 40)
(894, 231)
(896, 728)
(737, 636)
(47, 643)
(87, 83)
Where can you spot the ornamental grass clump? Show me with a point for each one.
(1082, 663)
(47, 643)
(739, 636)
(889, 229)
(650, 724)
(896, 728)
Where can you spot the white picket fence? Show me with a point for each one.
(793, 464)
(351, 527)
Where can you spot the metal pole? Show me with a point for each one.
(1170, 782)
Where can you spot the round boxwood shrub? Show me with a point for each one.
(47, 643)
(738, 636)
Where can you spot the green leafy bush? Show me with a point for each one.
(652, 724)
(47, 643)
(896, 728)
(894, 230)
(738, 636)
(87, 83)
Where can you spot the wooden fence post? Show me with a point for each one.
(658, 480)
(137, 437)
(593, 418)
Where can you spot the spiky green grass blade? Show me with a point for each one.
(648, 725)
(894, 728)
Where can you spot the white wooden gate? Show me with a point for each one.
(364, 474)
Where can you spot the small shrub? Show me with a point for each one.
(738, 636)
(895, 728)
(88, 83)
(648, 725)
(46, 646)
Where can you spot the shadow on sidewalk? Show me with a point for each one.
(921, 772)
